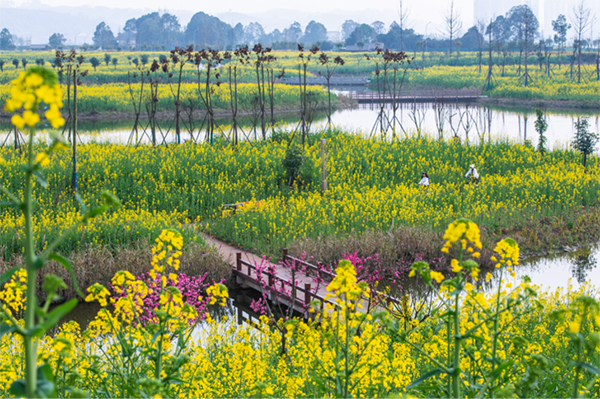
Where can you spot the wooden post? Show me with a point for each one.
(238, 261)
(284, 254)
(323, 165)
(306, 293)
(270, 279)
(74, 177)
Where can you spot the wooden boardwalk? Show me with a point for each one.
(334, 81)
(370, 97)
(279, 281)
(280, 284)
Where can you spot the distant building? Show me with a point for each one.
(366, 47)
(126, 40)
(38, 47)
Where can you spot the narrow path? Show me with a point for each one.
(228, 252)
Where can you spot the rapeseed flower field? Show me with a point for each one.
(371, 187)
(500, 337)
(516, 338)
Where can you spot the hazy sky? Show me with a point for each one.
(430, 10)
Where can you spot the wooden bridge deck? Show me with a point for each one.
(279, 282)
(334, 81)
(277, 279)
(366, 97)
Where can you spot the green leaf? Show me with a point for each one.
(8, 204)
(81, 204)
(425, 376)
(18, 389)
(476, 337)
(590, 368)
(8, 274)
(58, 313)
(110, 199)
(6, 329)
(40, 179)
(498, 370)
(45, 382)
(92, 213)
(38, 263)
(37, 331)
(57, 258)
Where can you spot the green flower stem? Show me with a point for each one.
(575, 393)
(457, 339)
(495, 336)
(29, 341)
(158, 368)
(456, 358)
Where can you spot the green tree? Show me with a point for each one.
(2, 65)
(24, 62)
(584, 141)
(95, 62)
(15, 62)
(115, 61)
(107, 58)
(56, 40)
(541, 125)
(293, 161)
(6, 40)
(155, 29)
(348, 27)
(314, 32)
(560, 27)
(144, 59)
(103, 36)
(363, 33)
(40, 61)
(206, 30)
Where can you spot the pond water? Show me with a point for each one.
(463, 120)
(574, 268)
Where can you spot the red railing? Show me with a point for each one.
(251, 274)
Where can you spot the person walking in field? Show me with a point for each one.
(472, 174)
(424, 180)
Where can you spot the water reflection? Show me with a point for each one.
(577, 266)
(237, 308)
(464, 121)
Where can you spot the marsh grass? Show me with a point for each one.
(99, 264)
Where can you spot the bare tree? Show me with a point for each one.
(453, 23)
(581, 20)
(403, 14)
(530, 31)
(480, 40)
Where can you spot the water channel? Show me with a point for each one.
(470, 121)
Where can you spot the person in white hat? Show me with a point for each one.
(472, 172)
(424, 180)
